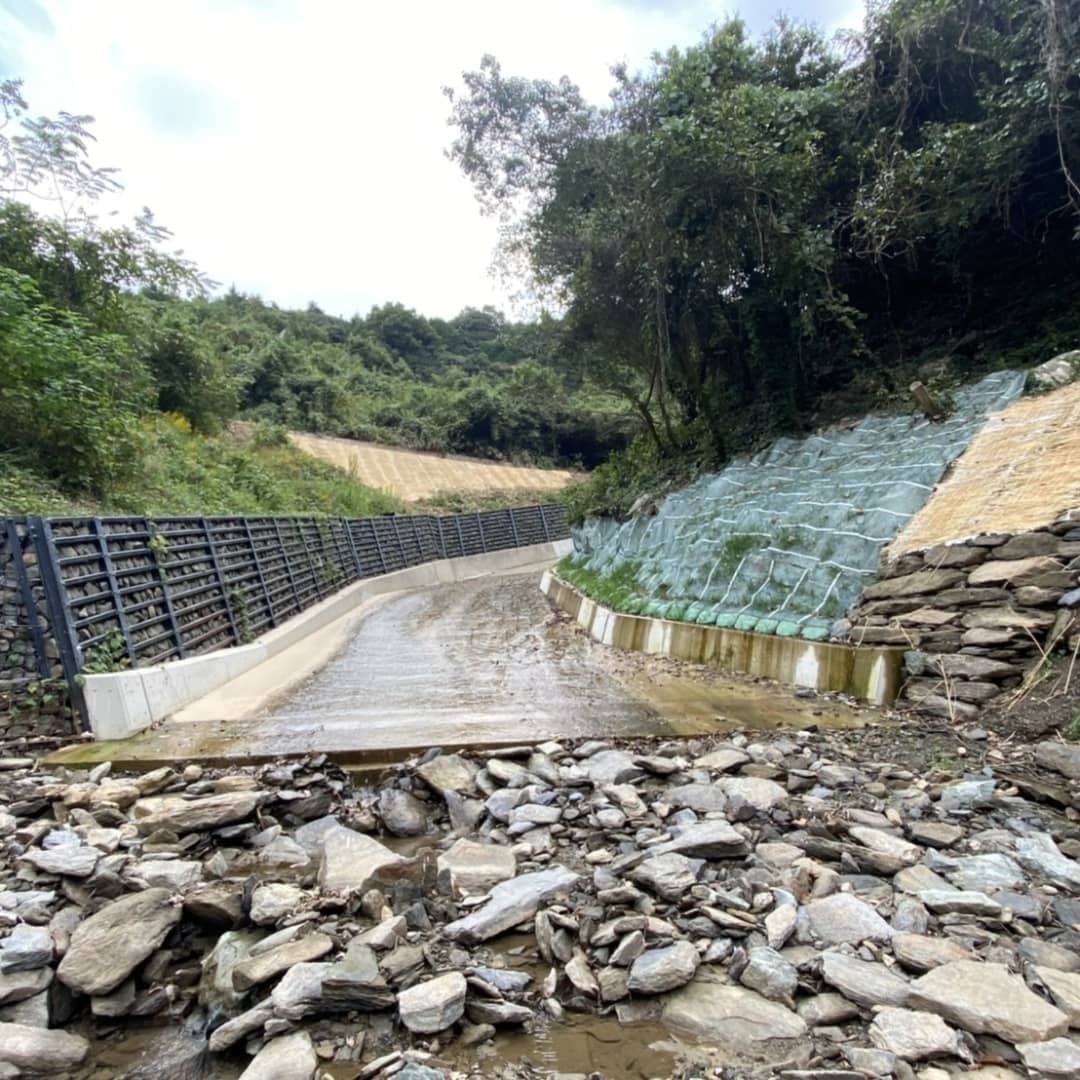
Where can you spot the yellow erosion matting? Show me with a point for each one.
(1020, 472)
(411, 475)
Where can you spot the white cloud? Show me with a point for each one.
(296, 148)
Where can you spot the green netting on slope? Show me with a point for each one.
(785, 541)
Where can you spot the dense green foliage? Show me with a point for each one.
(753, 237)
(102, 330)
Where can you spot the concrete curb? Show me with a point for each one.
(121, 703)
(867, 673)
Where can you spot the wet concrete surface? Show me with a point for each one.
(483, 662)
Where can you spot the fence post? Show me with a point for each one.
(544, 522)
(480, 526)
(166, 598)
(513, 526)
(397, 533)
(220, 575)
(67, 639)
(114, 588)
(288, 565)
(37, 638)
(347, 525)
(259, 571)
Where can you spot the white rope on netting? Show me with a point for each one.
(824, 600)
(754, 595)
(854, 506)
(787, 599)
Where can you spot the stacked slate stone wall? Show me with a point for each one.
(976, 615)
(34, 699)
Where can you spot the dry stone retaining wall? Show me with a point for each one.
(976, 614)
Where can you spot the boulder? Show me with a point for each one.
(267, 965)
(1062, 757)
(760, 793)
(986, 998)
(435, 1005)
(1056, 372)
(26, 948)
(272, 902)
(34, 1050)
(107, 947)
(66, 861)
(1054, 1058)
(669, 876)
(1013, 572)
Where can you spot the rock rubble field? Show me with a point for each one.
(786, 904)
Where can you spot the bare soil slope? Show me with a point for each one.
(411, 475)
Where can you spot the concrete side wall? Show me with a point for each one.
(122, 703)
(871, 674)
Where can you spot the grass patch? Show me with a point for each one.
(477, 502)
(182, 472)
(614, 590)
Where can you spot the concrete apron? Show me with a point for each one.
(122, 703)
(866, 673)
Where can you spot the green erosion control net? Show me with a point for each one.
(785, 541)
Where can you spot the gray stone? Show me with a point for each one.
(780, 924)
(232, 1031)
(723, 759)
(66, 861)
(611, 767)
(269, 903)
(26, 948)
(919, 952)
(402, 814)
(104, 950)
(845, 919)
(741, 1024)
(474, 868)
(1062, 757)
(1064, 987)
(17, 986)
(656, 971)
(432, 1006)
(629, 949)
(510, 903)
(1057, 372)
(116, 1004)
(351, 861)
(300, 991)
(967, 794)
(760, 793)
(1047, 954)
(960, 902)
(913, 1035)
(922, 582)
(1054, 1057)
(909, 916)
(311, 834)
(449, 772)
(498, 1013)
(669, 876)
(770, 975)
(870, 1062)
(705, 840)
(356, 982)
(500, 804)
(987, 998)
(268, 965)
(986, 873)
(174, 874)
(35, 1051)
(702, 798)
(1038, 852)
(864, 982)
(827, 1009)
(530, 815)
(216, 990)
(289, 1057)
(182, 815)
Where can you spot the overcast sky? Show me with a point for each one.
(296, 147)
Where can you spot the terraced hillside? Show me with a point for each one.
(411, 475)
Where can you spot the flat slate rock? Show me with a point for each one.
(289, 1057)
(107, 947)
(863, 981)
(845, 919)
(739, 1022)
(181, 815)
(432, 1006)
(986, 998)
(510, 903)
(34, 1050)
(352, 860)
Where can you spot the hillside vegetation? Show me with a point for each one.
(751, 237)
(756, 237)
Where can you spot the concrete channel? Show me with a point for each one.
(481, 662)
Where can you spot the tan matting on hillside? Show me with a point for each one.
(411, 475)
(1021, 472)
